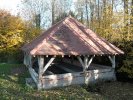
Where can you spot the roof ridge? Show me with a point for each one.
(59, 24)
(41, 34)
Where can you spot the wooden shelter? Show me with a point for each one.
(67, 39)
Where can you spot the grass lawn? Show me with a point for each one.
(12, 87)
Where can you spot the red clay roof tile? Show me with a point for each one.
(70, 37)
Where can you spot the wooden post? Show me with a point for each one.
(113, 64)
(25, 59)
(85, 69)
(85, 64)
(112, 59)
(81, 61)
(40, 71)
(30, 60)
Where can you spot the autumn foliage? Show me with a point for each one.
(13, 33)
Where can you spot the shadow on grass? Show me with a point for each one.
(113, 90)
(11, 93)
(12, 85)
(14, 73)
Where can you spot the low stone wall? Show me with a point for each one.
(88, 77)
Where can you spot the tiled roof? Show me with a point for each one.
(70, 37)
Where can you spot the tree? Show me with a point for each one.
(35, 11)
(79, 6)
(61, 7)
(11, 31)
(53, 10)
(87, 15)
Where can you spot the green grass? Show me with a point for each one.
(12, 87)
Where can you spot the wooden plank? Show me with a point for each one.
(33, 75)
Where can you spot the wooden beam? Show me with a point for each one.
(48, 64)
(30, 60)
(80, 60)
(87, 63)
(25, 59)
(112, 60)
(33, 74)
(85, 60)
(90, 61)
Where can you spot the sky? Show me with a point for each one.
(13, 6)
(10, 5)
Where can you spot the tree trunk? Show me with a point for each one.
(86, 7)
(98, 13)
(105, 15)
(38, 21)
(81, 17)
(53, 11)
(126, 18)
